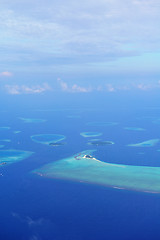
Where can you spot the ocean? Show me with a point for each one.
(36, 207)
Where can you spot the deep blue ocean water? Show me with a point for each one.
(34, 207)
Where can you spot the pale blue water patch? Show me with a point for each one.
(33, 120)
(95, 139)
(90, 134)
(47, 138)
(148, 143)
(5, 128)
(145, 118)
(134, 129)
(74, 116)
(101, 124)
(157, 121)
(15, 132)
(12, 155)
(5, 140)
(2, 146)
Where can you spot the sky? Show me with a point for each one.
(79, 46)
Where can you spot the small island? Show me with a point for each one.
(89, 169)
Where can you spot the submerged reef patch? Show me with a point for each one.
(15, 132)
(33, 120)
(4, 128)
(134, 128)
(148, 143)
(101, 124)
(83, 167)
(90, 134)
(12, 155)
(157, 121)
(5, 140)
(100, 143)
(48, 139)
(56, 144)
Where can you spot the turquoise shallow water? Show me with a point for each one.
(12, 156)
(83, 167)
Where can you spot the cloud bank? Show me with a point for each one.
(68, 33)
(73, 88)
(109, 87)
(24, 89)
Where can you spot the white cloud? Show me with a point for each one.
(144, 87)
(24, 89)
(110, 88)
(74, 88)
(94, 30)
(63, 85)
(12, 89)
